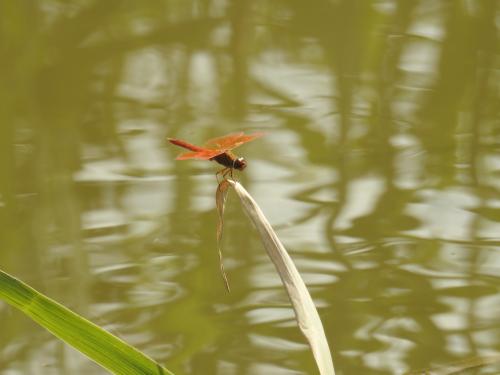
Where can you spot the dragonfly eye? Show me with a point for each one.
(240, 164)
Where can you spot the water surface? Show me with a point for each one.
(379, 171)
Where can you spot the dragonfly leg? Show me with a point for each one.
(228, 171)
(221, 173)
(217, 174)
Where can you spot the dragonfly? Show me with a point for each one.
(218, 150)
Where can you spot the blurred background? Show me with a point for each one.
(380, 171)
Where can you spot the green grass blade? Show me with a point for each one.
(99, 345)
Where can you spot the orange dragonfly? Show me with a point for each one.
(219, 150)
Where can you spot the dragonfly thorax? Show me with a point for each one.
(229, 160)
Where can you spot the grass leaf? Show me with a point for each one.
(303, 305)
(99, 345)
(220, 202)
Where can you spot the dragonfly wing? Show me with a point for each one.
(224, 141)
(200, 155)
(230, 141)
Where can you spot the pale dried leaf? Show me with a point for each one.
(303, 305)
(220, 202)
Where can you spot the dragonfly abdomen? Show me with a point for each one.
(189, 146)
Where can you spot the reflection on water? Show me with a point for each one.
(379, 170)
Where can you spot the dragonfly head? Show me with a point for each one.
(239, 164)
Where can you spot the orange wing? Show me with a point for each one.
(230, 141)
(200, 155)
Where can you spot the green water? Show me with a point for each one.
(379, 171)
